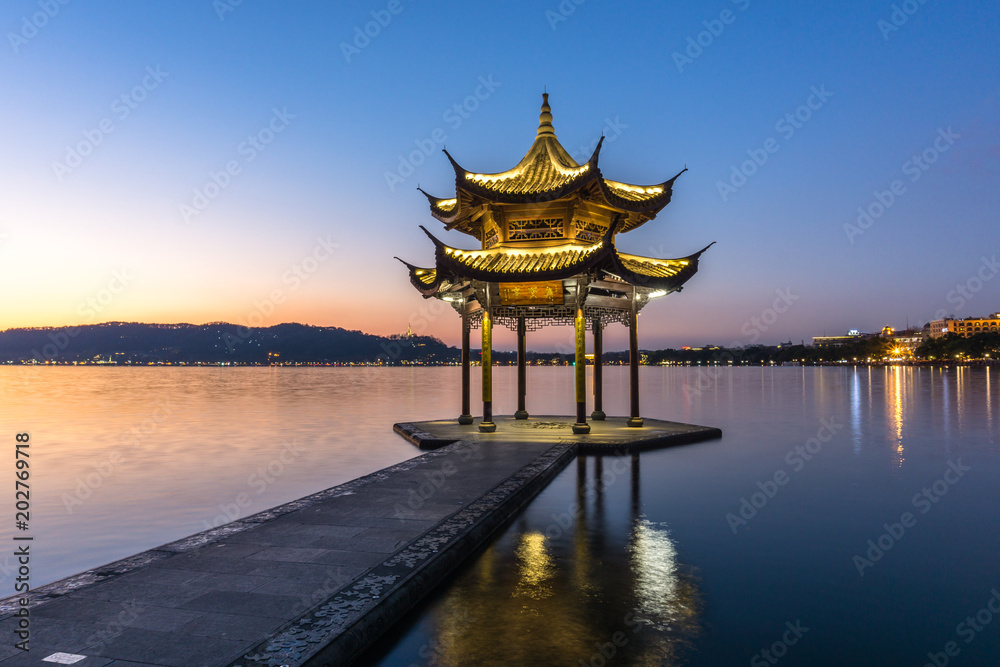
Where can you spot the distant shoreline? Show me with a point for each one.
(511, 364)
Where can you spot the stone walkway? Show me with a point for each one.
(245, 588)
(318, 580)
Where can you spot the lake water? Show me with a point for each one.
(647, 560)
(661, 563)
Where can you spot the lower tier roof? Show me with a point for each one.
(454, 266)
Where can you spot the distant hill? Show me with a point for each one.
(125, 342)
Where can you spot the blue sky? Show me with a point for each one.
(300, 121)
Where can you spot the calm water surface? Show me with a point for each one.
(647, 560)
(625, 560)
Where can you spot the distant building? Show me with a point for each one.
(853, 336)
(970, 326)
(903, 341)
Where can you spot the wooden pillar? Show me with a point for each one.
(487, 425)
(633, 361)
(580, 329)
(466, 417)
(598, 414)
(522, 369)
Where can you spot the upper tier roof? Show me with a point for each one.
(546, 173)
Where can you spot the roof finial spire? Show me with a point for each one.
(545, 118)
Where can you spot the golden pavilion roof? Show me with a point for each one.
(503, 264)
(549, 219)
(547, 173)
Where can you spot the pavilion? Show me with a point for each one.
(547, 231)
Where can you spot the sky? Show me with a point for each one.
(257, 162)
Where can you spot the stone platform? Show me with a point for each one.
(607, 436)
(318, 580)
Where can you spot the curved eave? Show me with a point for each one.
(444, 209)
(426, 281)
(645, 199)
(659, 274)
(504, 266)
(507, 265)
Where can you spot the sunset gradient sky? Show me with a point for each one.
(116, 115)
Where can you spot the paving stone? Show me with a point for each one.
(162, 576)
(232, 626)
(123, 591)
(226, 581)
(316, 572)
(347, 557)
(169, 648)
(76, 607)
(160, 618)
(247, 604)
(202, 561)
(388, 522)
(289, 554)
(308, 588)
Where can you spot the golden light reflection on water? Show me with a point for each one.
(664, 599)
(520, 603)
(989, 401)
(896, 415)
(535, 567)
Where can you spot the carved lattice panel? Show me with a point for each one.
(534, 230)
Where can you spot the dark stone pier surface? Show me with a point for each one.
(313, 582)
(606, 436)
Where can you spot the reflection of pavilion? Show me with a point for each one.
(547, 230)
(550, 593)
